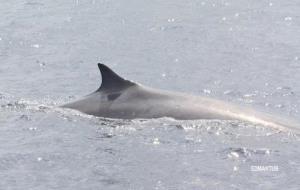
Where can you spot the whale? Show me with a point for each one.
(120, 98)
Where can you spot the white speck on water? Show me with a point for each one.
(279, 106)
(171, 20)
(0, 39)
(156, 141)
(227, 92)
(270, 4)
(198, 151)
(234, 154)
(296, 58)
(32, 128)
(163, 75)
(249, 95)
(236, 14)
(35, 45)
(39, 159)
(288, 18)
(235, 168)
(176, 60)
(42, 64)
(159, 185)
(207, 91)
(152, 29)
(217, 82)
(213, 5)
(224, 18)
(248, 101)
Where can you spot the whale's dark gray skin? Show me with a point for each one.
(124, 99)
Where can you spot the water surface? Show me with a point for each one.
(246, 52)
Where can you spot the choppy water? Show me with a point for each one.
(245, 52)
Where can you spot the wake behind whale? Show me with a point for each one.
(124, 99)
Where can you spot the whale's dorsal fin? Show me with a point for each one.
(111, 82)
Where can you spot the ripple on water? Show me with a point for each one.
(246, 154)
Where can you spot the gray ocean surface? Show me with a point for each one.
(241, 51)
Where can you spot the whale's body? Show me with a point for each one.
(124, 99)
